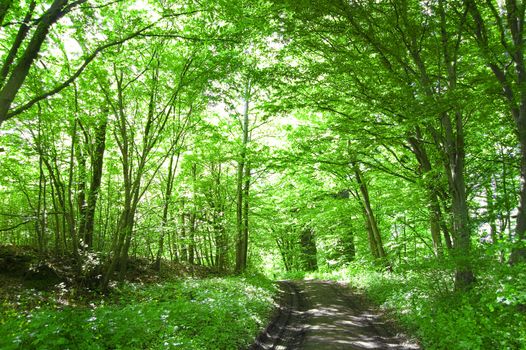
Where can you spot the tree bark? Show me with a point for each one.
(172, 166)
(375, 237)
(511, 29)
(97, 162)
(19, 39)
(434, 207)
(21, 70)
(243, 184)
(309, 252)
(4, 8)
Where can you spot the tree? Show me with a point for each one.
(499, 39)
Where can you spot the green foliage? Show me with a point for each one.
(189, 314)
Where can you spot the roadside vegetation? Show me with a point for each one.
(209, 313)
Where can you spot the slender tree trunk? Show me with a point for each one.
(246, 207)
(371, 219)
(506, 219)
(183, 244)
(219, 224)
(243, 183)
(434, 207)
(41, 205)
(41, 208)
(193, 218)
(490, 210)
(69, 207)
(174, 160)
(239, 219)
(308, 250)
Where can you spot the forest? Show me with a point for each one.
(164, 162)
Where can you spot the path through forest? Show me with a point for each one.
(326, 315)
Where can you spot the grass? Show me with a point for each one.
(214, 313)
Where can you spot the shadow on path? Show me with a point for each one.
(326, 315)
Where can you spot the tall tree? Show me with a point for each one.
(498, 29)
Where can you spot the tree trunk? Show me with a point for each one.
(240, 263)
(193, 219)
(21, 70)
(309, 258)
(41, 209)
(166, 207)
(243, 184)
(374, 232)
(512, 81)
(219, 225)
(518, 253)
(454, 144)
(183, 244)
(19, 39)
(420, 152)
(246, 207)
(97, 161)
(4, 7)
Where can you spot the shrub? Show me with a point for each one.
(188, 314)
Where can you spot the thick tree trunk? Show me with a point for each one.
(21, 70)
(518, 253)
(118, 247)
(4, 7)
(454, 149)
(97, 161)
(19, 39)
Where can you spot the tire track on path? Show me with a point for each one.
(318, 315)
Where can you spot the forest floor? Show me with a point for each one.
(43, 305)
(328, 315)
(22, 269)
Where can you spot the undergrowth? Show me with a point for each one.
(215, 313)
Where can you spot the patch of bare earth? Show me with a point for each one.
(327, 315)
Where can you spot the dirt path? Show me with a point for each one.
(326, 315)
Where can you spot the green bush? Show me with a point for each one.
(189, 314)
(492, 315)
